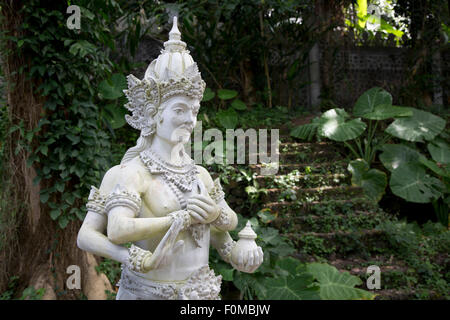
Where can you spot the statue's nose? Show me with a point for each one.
(190, 118)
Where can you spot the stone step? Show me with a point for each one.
(338, 166)
(328, 223)
(324, 244)
(313, 194)
(394, 294)
(303, 180)
(306, 146)
(334, 234)
(291, 157)
(316, 207)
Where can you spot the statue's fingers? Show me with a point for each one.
(260, 256)
(198, 210)
(203, 198)
(250, 259)
(178, 245)
(241, 259)
(201, 204)
(148, 263)
(195, 215)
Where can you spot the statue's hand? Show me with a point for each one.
(202, 209)
(148, 263)
(249, 260)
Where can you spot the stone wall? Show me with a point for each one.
(355, 70)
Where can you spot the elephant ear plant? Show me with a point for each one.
(413, 144)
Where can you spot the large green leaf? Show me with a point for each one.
(113, 88)
(373, 181)
(421, 125)
(291, 288)
(115, 115)
(333, 125)
(238, 105)
(255, 281)
(335, 285)
(430, 164)
(439, 150)
(396, 155)
(386, 111)
(228, 118)
(208, 95)
(226, 94)
(367, 102)
(411, 182)
(305, 131)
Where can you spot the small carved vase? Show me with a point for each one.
(245, 243)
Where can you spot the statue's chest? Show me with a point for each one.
(170, 186)
(161, 198)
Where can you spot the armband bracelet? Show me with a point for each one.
(225, 250)
(96, 202)
(121, 197)
(222, 220)
(136, 258)
(183, 217)
(216, 192)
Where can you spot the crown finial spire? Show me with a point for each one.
(175, 34)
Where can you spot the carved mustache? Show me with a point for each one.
(187, 127)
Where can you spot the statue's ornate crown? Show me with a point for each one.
(174, 72)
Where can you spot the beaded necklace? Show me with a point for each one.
(179, 178)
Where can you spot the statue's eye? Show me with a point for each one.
(179, 111)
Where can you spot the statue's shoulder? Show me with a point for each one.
(132, 175)
(205, 177)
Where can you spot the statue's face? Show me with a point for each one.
(179, 118)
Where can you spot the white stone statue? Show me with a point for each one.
(157, 199)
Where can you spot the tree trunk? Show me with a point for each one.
(35, 249)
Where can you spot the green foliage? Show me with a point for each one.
(371, 99)
(334, 126)
(419, 247)
(381, 23)
(113, 87)
(237, 38)
(335, 285)
(293, 283)
(111, 269)
(32, 294)
(8, 294)
(225, 94)
(411, 182)
(409, 169)
(439, 150)
(373, 181)
(420, 126)
(29, 293)
(81, 101)
(228, 118)
(312, 281)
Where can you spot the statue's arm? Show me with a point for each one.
(222, 242)
(123, 204)
(92, 238)
(123, 226)
(227, 219)
(249, 260)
